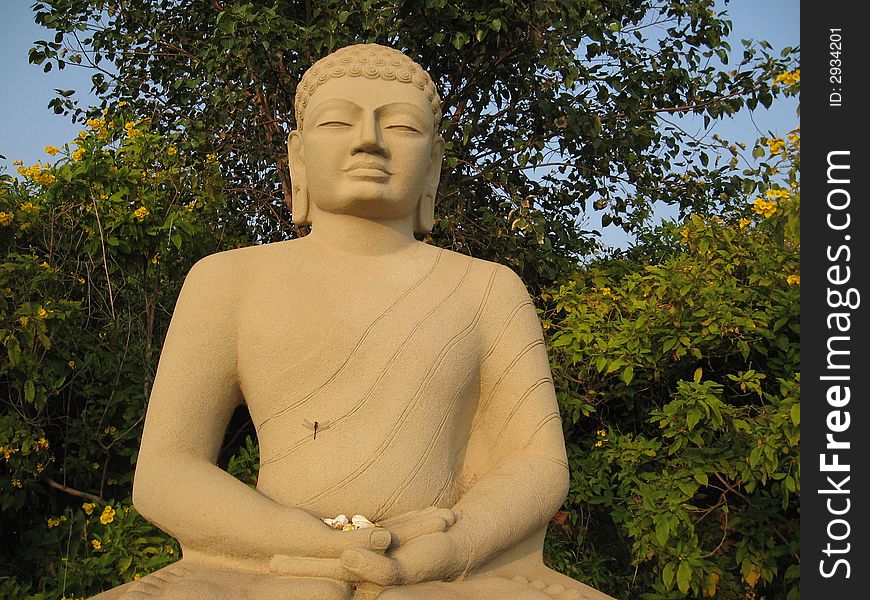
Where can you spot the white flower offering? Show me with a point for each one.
(341, 522)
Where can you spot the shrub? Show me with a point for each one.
(679, 385)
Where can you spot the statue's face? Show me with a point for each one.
(368, 148)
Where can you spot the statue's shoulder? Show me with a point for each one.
(502, 285)
(238, 262)
(224, 276)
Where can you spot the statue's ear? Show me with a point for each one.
(425, 216)
(298, 183)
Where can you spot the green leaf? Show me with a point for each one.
(698, 373)
(13, 349)
(125, 563)
(692, 418)
(628, 374)
(29, 390)
(688, 488)
(796, 414)
(342, 16)
(684, 576)
(663, 529)
(668, 574)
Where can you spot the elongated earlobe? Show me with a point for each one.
(299, 204)
(424, 219)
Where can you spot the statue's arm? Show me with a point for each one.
(178, 485)
(516, 446)
(516, 454)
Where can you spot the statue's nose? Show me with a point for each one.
(370, 139)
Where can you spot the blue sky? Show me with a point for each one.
(27, 125)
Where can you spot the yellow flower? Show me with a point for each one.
(140, 213)
(72, 364)
(599, 443)
(44, 265)
(81, 279)
(78, 154)
(6, 218)
(136, 577)
(51, 150)
(29, 207)
(764, 207)
(155, 259)
(210, 158)
(776, 194)
(108, 515)
(89, 507)
(41, 312)
(16, 482)
(793, 279)
(122, 103)
(601, 432)
(743, 222)
(789, 77)
(97, 544)
(24, 320)
(172, 151)
(44, 178)
(42, 442)
(17, 163)
(84, 133)
(53, 522)
(776, 146)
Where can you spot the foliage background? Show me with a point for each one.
(676, 361)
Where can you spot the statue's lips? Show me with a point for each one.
(368, 169)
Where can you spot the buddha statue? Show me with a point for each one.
(385, 377)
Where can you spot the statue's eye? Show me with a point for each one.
(402, 127)
(334, 123)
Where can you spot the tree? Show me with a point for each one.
(678, 370)
(93, 251)
(548, 106)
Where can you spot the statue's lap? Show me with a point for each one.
(182, 581)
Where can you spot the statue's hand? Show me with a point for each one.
(416, 523)
(433, 557)
(324, 556)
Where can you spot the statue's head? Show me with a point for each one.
(367, 139)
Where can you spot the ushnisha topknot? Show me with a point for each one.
(371, 61)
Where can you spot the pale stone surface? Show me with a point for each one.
(425, 370)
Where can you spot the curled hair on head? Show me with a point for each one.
(371, 61)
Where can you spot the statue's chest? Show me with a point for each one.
(372, 357)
